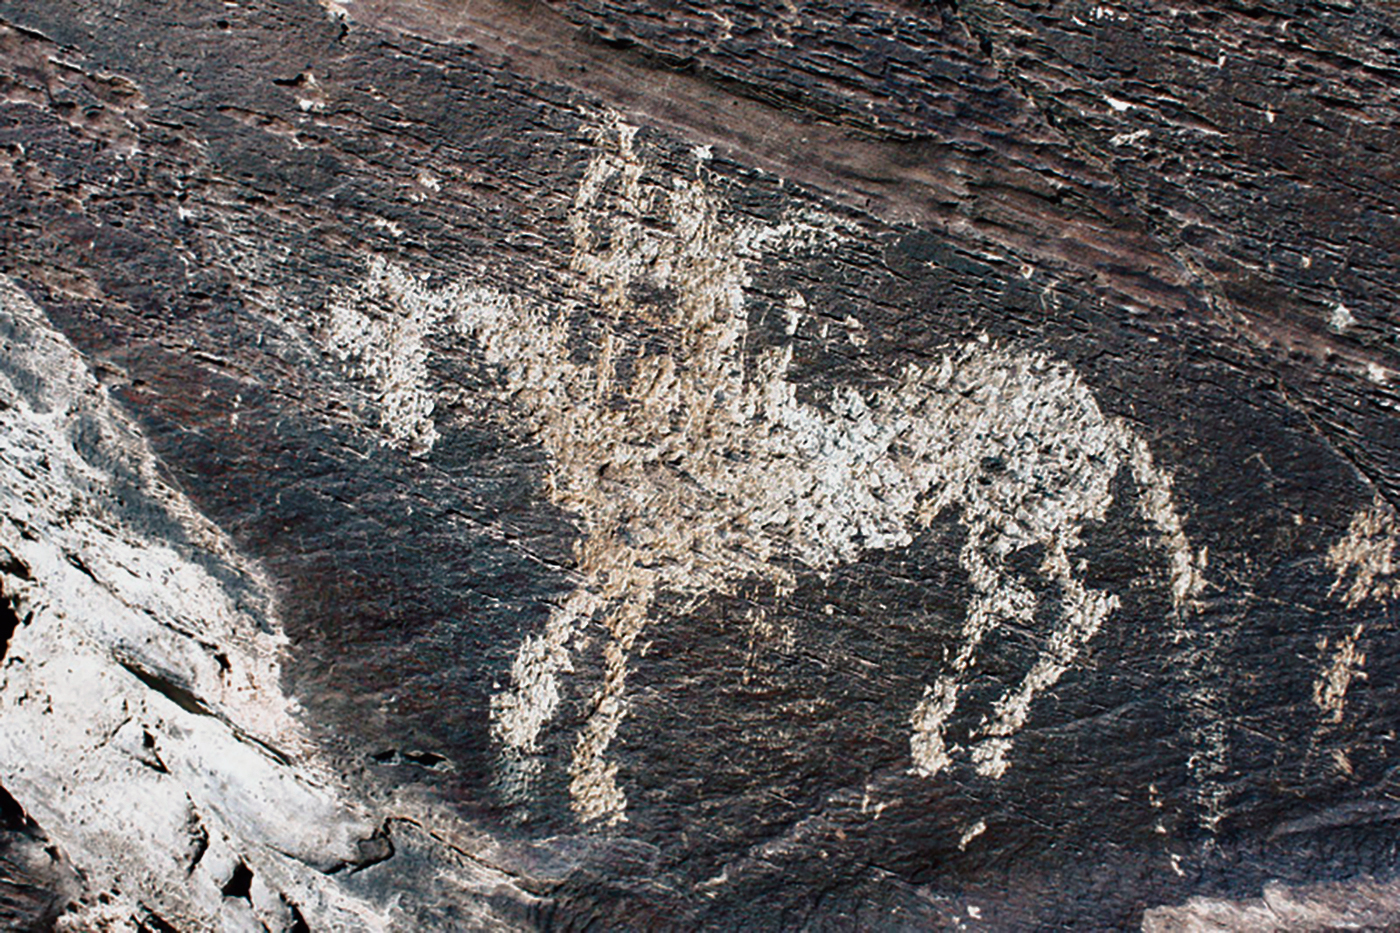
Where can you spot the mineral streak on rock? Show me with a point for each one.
(694, 468)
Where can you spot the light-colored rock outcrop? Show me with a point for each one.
(141, 721)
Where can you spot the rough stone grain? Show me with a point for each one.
(845, 465)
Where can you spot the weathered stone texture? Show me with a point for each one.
(850, 465)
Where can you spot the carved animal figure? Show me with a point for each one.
(693, 467)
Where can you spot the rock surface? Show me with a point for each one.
(852, 465)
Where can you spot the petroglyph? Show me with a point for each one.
(389, 350)
(694, 469)
(971, 833)
(1366, 556)
(1330, 688)
(1364, 563)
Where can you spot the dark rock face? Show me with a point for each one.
(33, 882)
(856, 466)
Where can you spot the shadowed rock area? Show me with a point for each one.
(560, 465)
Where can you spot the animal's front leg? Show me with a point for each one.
(520, 713)
(999, 598)
(594, 793)
(1084, 611)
